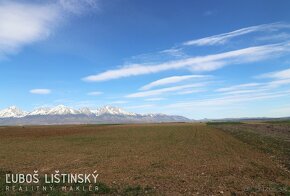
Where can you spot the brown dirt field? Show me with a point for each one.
(172, 159)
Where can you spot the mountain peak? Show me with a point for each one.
(11, 112)
(13, 107)
(85, 110)
(40, 111)
(62, 110)
(107, 109)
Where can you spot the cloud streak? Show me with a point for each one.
(78, 6)
(197, 64)
(238, 87)
(155, 99)
(164, 90)
(95, 93)
(229, 99)
(282, 74)
(170, 80)
(225, 37)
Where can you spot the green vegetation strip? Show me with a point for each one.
(279, 122)
(271, 145)
(224, 123)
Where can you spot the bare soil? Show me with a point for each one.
(168, 159)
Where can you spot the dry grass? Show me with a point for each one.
(171, 159)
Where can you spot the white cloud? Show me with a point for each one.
(225, 37)
(155, 99)
(40, 91)
(78, 6)
(238, 87)
(277, 83)
(95, 93)
(252, 88)
(170, 80)
(25, 23)
(177, 52)
(21, 24)
(229, 99)
(164, 90)
(186, 92)
(275, 37)
(197, 64)
(283, 74)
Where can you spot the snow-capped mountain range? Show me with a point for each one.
(65, 115)
(14, 112)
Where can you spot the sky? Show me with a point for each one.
(199, 59)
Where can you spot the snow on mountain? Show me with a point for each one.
(62, 110)
(86, 111)
(40, 111)
(12, 111)
(154, 114)
(113, 111)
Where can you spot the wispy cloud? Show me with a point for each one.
(164, 90)
(40, 91)
(177, 52)
(240, 92)
(238, 87)
(78, 6)
(186, 92)
(95, 93)
(225, 37)
(275, 37)
(277, 83)
(197, 64)
(229, 99)
(155, 99)
(170, 80)
(282, 74)
(252, 88)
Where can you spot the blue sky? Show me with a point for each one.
(200, 59)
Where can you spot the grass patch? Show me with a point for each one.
(136, 190)
(100, 125)
(278, 122)
(271, 145)
(225, 123)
